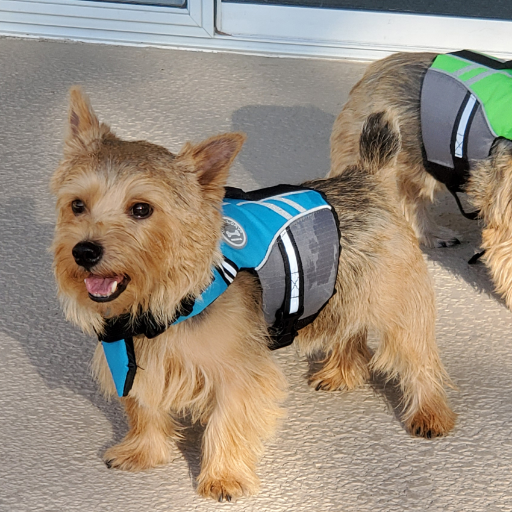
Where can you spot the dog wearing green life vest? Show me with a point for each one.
(467, 150)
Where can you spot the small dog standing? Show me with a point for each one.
(142, 227)
(395, 83)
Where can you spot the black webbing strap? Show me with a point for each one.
(286, 326)
(470, 215)
(125, 326)
(132, 365)
(461, 163)
(474, 259)
(483, 59)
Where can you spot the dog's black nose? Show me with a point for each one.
(87, 254)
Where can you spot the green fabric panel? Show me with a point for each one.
(472, 73)
(494, 91)
(495, 94)
(449, 63)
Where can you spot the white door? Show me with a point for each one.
(320, 28)
(158, 22)
(369, 28)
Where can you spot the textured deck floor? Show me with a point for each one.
(335, 452)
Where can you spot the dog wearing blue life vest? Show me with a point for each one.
(446, 107)
(189, 285)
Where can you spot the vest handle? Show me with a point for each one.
(483, 59)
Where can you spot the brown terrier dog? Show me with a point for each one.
(394, 84)
(157, 219)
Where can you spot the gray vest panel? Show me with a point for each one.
(313, 235)
(454, 128)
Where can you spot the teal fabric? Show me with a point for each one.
(117, 359)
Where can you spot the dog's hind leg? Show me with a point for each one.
(416, 192)
(408, 350)
(346, 365)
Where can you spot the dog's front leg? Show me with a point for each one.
(148, 442)
(245, 412)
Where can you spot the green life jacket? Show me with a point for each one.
(466, 104)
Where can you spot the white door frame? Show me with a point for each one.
(106, 22)
(255, 29)
(362, 33)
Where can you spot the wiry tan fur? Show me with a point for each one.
(217, 366)
(394, 84)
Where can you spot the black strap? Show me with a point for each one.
(460, 172)
(474, 259)
(262, 193)
(125, 326)
(286, 326)
(471, 215)
(132, 365)
(485, 60)
(461, 164)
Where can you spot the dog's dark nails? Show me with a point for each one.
(428, 435)
(318, 387)
(108, 463)
(228, 497)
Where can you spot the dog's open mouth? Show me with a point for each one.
(105, 289)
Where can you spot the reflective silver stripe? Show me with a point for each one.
(270, 206)
(291, 203)
(461, 130)
(288, 223)
(467, 69)
(294, 272)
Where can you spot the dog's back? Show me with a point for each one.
(392, 83)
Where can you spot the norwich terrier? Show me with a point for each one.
(395, 83)
(137, 243)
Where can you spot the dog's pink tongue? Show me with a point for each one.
(101, 285)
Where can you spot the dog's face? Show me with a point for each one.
(137, 227)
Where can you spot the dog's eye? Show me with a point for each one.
(141, 210)
(78, 206)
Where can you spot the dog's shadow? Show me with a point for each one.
(291, 138)
(31, 314)
(456, 259)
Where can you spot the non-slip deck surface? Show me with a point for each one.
(334, 452)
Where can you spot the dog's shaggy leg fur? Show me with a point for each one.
(247, 389)
(346, 365)
(490, 189)
(383, 285)
(408, 353)
(148, 442)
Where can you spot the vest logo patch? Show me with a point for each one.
(233, 234)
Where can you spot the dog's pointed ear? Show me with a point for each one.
(212, 159)
(84, 127)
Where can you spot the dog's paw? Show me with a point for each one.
(338, 379)
(430, 425)
(226, 489)
(130, 456)
(450, 242)
(319, 384)
(442, 237)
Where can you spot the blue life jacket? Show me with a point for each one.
(286, 235)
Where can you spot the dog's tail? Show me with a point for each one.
(380, 141)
